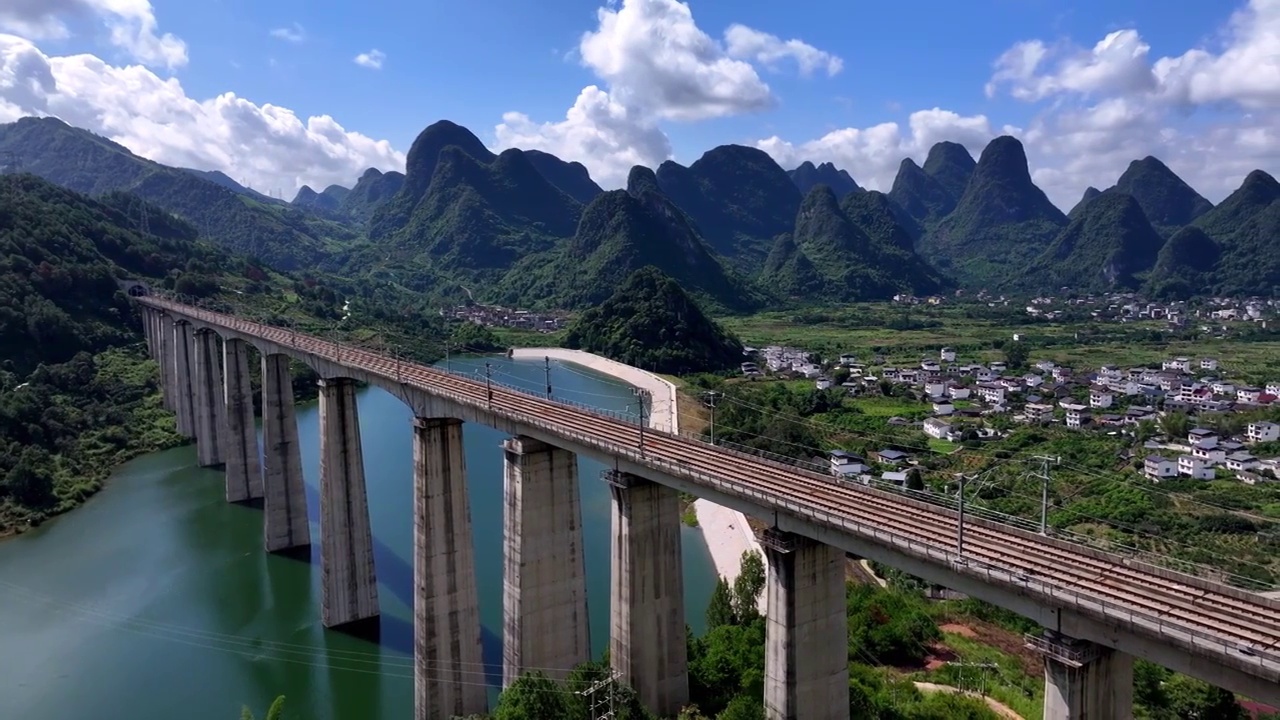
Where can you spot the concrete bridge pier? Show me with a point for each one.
(184, 378)
(210, 405)
(545, 621)
(164, 358)
(647, 645)
(243, 468)
(448, 671)
(1084, 680)
(806, 673)
(285, 499)
(349, 587)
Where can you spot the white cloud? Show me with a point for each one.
(131, 25)
(656, 64)
(372, 59)
(597, 131)
(295, 33)
(872, 155)
(656, 59)
(1102, 107)
(748, 44)
(267, 145)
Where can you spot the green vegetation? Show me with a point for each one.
(1000, 223)
(77, 395)
(1166, 200)
(738, 197)
(622, 231)
(650, 323)
(274, 233)
(275, 712)
(806, 177)
(927, 194)
(1245, 226)
(1105, 247)
(850, 250)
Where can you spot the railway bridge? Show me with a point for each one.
(1100, 610)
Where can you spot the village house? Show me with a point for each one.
(1248, 394)
(892, 457)
(1223, 387)
(1241, 462)
(1263, 432)
(935, 388)
(943, 407)
(947, 354)
(958, 392)
(848, 359)
(1197, 434)
(991, 393)
(1100, 397)
(1077, 419)
(1157, 467)
(823, 383)
(1208, 363)
(1273, 388)
(1032, 380)
(939, 429)
(984, 374)
(844, 462)
(1195, 467)
(1209, 450)
(1038, 412)
(1180, 364)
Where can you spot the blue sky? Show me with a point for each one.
(1083, 114)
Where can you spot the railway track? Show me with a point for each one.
(1253, 628)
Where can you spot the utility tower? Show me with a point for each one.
(601, 697)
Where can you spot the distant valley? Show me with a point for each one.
(734, 229)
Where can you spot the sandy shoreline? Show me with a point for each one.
(725, 530)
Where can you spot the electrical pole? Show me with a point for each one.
(641, 396)
(960, 524)
(488, 382)
(1043, 475)
(547, 370)
(711, 395)
(601, 708)
(447, 365)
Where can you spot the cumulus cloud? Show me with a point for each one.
(748, 44)
(1101, 107)
(294, 33)
(872, 154)
(597, 131)
(656, 65)
(655, 58)
(372, 59)
(131, 26)
(267, 145)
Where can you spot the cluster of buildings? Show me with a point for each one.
(1204, 453)
(1110, 399)
(1208, 315)
(496, 316)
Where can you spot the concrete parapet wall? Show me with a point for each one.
(663, 415)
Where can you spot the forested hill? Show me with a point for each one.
(77, 393)
(651, 323)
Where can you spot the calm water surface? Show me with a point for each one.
(155, 600)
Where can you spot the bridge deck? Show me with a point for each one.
(1235, 627)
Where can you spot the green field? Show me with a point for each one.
(978, 333)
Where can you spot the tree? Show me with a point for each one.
(275, 712)
(1015, 355)
(915, 481)
(1193, 699)
(748, 585)
(720, 608)
(1175, 425)
(743, 707)
(533, 696)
